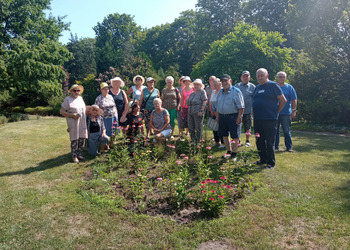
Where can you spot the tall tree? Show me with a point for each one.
(83, 63)
(31, 57)
(112, 36)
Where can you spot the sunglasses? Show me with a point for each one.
(138, 79)
(76, 90)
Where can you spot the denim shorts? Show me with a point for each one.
(227, 123)
(166, 132)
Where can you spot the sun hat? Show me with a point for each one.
(198, 81)
(138, 76)
(99, 111)
(122, 84)
(149, 79)
(103, 85)
(74, 86)
(186, 78)
(246, 72)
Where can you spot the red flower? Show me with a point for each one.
(212, 199)
(247, 132)
(213, 191)
(257, 135)
(221, 196)
(204, 182)
(210, 156)
(204, 191)
(223, 178)
(202, 186)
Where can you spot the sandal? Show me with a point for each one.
(75, 160)
(81, 158)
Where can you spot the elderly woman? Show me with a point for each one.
(212, 108)
(73, 108)
(160, 121)
(146, 101)
(96, 130)
(196, 110)
(186, 92)
(178, 115)
(110, 114)
(120, 98)
(136, 90)
(171, 101)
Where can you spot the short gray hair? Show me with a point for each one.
(169, 78)
(157, 99)
(263, 70)
(282, 73)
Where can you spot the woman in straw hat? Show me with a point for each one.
(110, 114)
(96, 130)
(120, 98)
(73, 108)
(136, 89)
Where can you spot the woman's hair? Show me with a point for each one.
(158, 100)
(169, 78)
(135, 105)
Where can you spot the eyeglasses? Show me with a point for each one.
(138, 79)
(76, 90)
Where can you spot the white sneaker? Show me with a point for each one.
(247, 144)
(222, 146)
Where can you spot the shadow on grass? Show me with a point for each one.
(47, 164)
(345, 191)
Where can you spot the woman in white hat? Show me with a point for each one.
(73, 108)
(96, 130)
(120, 98)
(136, 89)
(110, 114)
(197, 103)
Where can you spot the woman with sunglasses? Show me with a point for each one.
(136, 90)
(73, 108)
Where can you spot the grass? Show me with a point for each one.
(303, 203)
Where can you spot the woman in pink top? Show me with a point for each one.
(186, 92)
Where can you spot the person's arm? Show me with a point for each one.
(141, 98)
(240, 116)
(151, 122)
(64, 113)
(166, 122)
(126, 106)
(294, 108)
(181, 99)
(128, 93)
(282, 101)
(162, 97)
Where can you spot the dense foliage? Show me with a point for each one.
(307, 38)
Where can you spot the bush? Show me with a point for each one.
(3, 119)
(43, 110)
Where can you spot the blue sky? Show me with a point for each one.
(83, 15)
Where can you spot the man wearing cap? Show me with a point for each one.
(247, 88)
(268, 101)
(229, 107)
(287, 113)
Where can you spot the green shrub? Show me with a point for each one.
(3, 119)
(43, 110)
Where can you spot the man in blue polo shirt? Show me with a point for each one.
(229, 108)
(268, 101)
(287, 113)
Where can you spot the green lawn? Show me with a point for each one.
(303, 203)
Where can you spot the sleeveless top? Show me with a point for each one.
(136, 94)
(186, 95)
(158, 119)
(119, 101)
(149, 105)
(169, 98)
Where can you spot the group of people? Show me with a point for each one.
(270, 103)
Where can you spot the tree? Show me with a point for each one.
(83, 63)
(112, 36)
(246, 48)
(31, 56)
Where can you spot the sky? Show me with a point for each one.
(83, 15)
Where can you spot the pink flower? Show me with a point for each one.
(239, 144)
(159, 179)
(140, 169)
(204, 182)
(202, 140)
(223, 178)
(208, 148)
(202, 186)
(213, 191)
(227, 155)
(210, 156)
(229, 187)
(221, 196)
(125, 128)
(208, 180)
(133, 126)
(212, 199)
(171, 146)
(233, 141)
(117, 127)
(186, 157)
(140, 126)
(113, 126)
(182, 155)
(203, 191)
(223, 185)
(115, 122)
(179, 162)
(112, 134)
(257, 135)
(215, 181)
(247, 132)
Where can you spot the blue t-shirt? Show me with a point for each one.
(265, 102)
(290, 94)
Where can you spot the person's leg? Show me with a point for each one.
(80, 148)
(260, 141)
(92, 143)
(235, 133)
(247, 124)
(277, 140)
(286, 123)
(104, 142)
(270, 137)
(191, 126)
(198, 127)
(179, 122)
(74, 148)
(223, 132)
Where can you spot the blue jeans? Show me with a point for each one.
(285, 121)
(266, 142)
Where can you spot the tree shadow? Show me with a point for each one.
(44, 165)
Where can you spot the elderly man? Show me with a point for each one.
(287, 113)
(247, 88)
(268, 101)
(229, 107)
